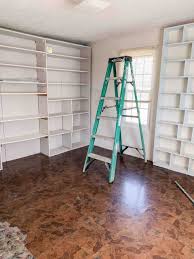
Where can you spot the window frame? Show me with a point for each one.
(139, 52)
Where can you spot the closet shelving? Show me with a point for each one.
(174, 135)
(44, 95)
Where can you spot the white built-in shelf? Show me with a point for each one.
(23, 118)
(79, 128)
(58, 55)
(179, 43)
(174, 135)
(67, 70)
(58, 132)
(67, 83)
(10, 140)
(60, 114)
(4, 81)
(29, 85)
(19, 49)
(22, 66)
(67, 99)
(22, 93)
(59, 150)
(78, 145)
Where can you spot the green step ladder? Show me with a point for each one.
(118, 147)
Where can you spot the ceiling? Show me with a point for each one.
(61, 19)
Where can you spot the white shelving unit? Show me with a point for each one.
(44, 95)
(174, 135)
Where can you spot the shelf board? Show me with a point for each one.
(171, 93)
(176, 60)
(67, 83)
(170, 122)
(169, 108)
(175, 138)
(78, 145)
(176, 123)
(174, 77)
(20, 49)
(58, 55)
(67, 114)
(79, 128)
(10, 140)
(22, 93)
(179, 43)
(65, 43)
(161, 164)
(24, 117)
(179, 169)
(58, 132)
(79, 112)
(167, 150)
(59, 150)
(21, 82)
(67, 99)
(67, 70)
(59, 114)
(22, 66)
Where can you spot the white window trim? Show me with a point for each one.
(135, 52)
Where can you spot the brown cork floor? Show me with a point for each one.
(67, 215)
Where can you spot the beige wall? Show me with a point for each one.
(101, 51)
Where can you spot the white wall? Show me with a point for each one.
(101, 51)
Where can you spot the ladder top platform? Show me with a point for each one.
(120, 59)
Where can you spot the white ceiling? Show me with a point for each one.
(59, 18)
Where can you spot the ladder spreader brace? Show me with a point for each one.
(118, 147)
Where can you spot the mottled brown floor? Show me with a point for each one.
(66, 215)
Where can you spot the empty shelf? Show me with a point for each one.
(5, 81)
(58, 150)
(58, 132)
(78, 145)
(67, 99)
(58, 55)
(21, 66)
(79, 112)
(24, 117)
(9, 140)
(67, 114)
(22, 93)
(79, 128)
(67, 83)
(67, 70)
(59, 114)
(20, 49)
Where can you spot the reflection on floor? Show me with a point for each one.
(67, 215)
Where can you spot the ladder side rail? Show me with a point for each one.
(138, 112)
(98, 113)
(118, 123)
(117, 101)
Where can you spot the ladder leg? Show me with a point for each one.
(118, 123)
(138, 113)
(117, 102)
(98, 113)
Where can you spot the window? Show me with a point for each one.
(143, 71)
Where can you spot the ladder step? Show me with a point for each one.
(130, 116)
(107, 117)
(110, 98)
(114, 78)
(133, 101)
(102, 136)
(100, 158)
